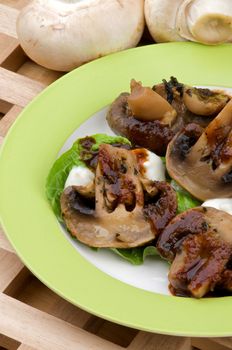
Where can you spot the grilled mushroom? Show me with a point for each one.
(198, 242)
(201, 161)
(151, 134)
(204, 102)
(123, 214)
(151, 117)
(146, 105)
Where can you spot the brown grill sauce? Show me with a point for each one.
(90, 157)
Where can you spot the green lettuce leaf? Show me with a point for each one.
(63, 165)
(136, 256)
(185, 199)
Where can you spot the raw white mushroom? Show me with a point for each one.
(224, 204)
(204, 21)
(161, 17)
(63, 34)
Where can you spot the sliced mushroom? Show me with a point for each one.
(201, 161)
(146, 105)
(151, 121)
(204, 102)
(198, 242)
(123, 214)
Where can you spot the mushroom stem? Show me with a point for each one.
(147, 105)
(208, 22)
(161, 19)
(215, 132)
(204, 102)
(194, 155)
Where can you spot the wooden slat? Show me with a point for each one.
(8, 17)
(8, 343)
(37, 295)
(5, 107)
(44, 332)
(7, 45)
(4, 243)
(17, 89)
(26, 347)
(15, 59)
(34, 71)
(18, 4)
(8, 119)
(11, 54)
(117, 334)
(10, 268)
(212, 344)
(227, 342)
(40, 297)
(148, 341)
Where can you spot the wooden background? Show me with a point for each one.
(31, 315)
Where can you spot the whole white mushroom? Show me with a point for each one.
(204, 21)
(161, 17)
(63, 34)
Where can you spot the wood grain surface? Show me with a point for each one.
(32, 317)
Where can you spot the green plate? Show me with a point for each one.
(29, 152)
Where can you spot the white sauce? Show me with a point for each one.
(79, 176)
(154, 168)
(224, 204)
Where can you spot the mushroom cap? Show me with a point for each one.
(204, 101)
(160, 17)
(205, 22)
(120, 216)
(201, 161)
(198, 242)
(63, 34)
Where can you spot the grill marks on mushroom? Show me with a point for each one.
(198, 242)
(201, 161)
(124, 214)
(152, 118)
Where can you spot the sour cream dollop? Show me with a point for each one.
(79, 176)
(151, 166)
(224, 204)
